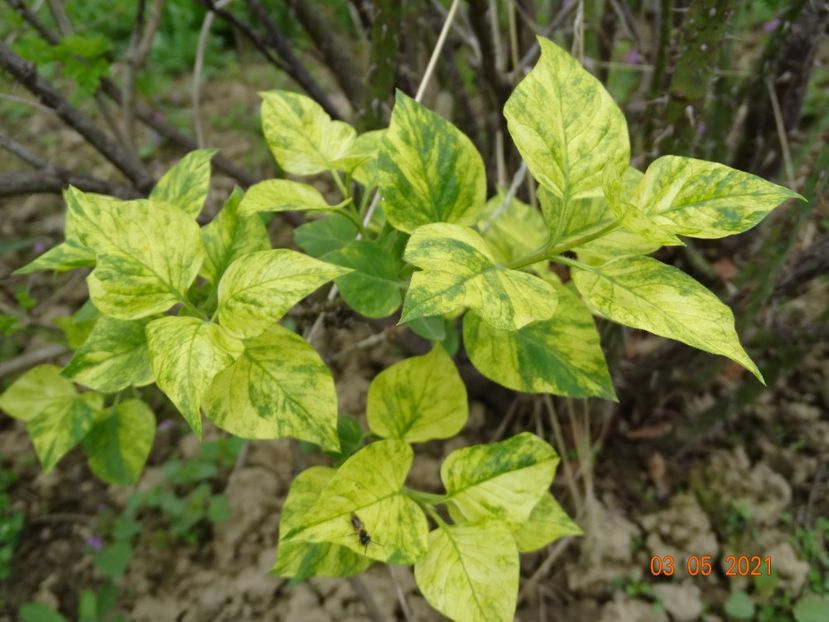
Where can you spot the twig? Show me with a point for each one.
(31, 358)
(781, 133)
(558, 548)
(535, 50)
(124, 161)
(517, 180)
(139, 49)
(401, 597)
(22, 152)
(369, 341)
(24, 101)
(197, 70)
(290, 66)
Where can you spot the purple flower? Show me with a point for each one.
(771, 24)
(165, 425)
(39, 247)
(95, 543)
(633, 57)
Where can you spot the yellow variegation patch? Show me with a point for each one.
(187, 183)
(65, 256)
(278, 387)
(706, 199)
(229, 236)
(644, 293)
(301, 560)
(428, 170)
(566, 125)
(185, 354)
(258, 289)
(501, 480)
(369, 485)
(459, 272)
(302, 137)
(547, 523)
(280, 195)
(470, 573)
(562, 355)
(418, 399)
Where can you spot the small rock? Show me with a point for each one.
(683, 601)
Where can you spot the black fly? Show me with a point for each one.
(361, 533)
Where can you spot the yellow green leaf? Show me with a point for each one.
(369, 485)
(62, 425)
(470, 573)
(301, 560)
(65, 256)
(566, 125)
(643, 293)
(302, 137)
(155, 255)
(34, 391)
(418, 399)
(96, 221)
(113, 357)
(547, 523)
(501, 480)
(459, 272)
(562, 355)
(706, 199)
(278, 387)
(512, 231)
(361, 160)
(229, 236)
(428, 171)
(185, 354)
(258, 289)
(187, 183)
(282, 195)
(327, 234)
(117, 448)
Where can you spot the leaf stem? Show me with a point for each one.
(425, 498)
(553, 252)
(572, 263)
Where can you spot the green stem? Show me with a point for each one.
(547, 252)
(353, 217)
(346, 192)
(425, 498)
(572, 263)
(191, 307)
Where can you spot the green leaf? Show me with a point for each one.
(418, 399)
(459, 271)
(566, 125)
(643, 293)
(185, 354)
(62, 425)
(117, 448)
(327, 234)
(547, 523)
(432, 328)
(36, 390)
(350, 435)
(811, 608)
(282, 195)
(258, 289)
(78, 326)
(428, 171)
(278, 387)
(369, 485)
(112, 560)
(218, 510)
(502, 480)
(302, 137)
(470, 573)
(361, 159)
(187, 183)
(157, 256)
(739, 606)
(38, 612)
(114, 357)
(706, 199)
(373, 288)
(229, 236)
(513, 233)
(302, 560)
(65, 256)
(562, 355)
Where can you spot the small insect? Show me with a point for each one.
(361, 533)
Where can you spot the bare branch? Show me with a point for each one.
(327, 40)
(53, 181)
(139, 49)
(291, 65)
(26, 73)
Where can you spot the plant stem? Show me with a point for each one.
(572, 263)
(424, 498)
